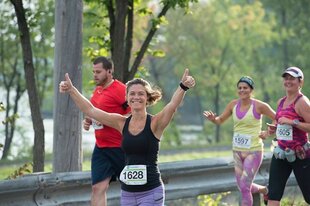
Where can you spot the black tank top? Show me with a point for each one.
(142, 149)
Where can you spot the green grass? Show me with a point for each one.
(9, 168)
(193, 155)
(6, 171)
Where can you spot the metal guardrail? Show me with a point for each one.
(184, 179)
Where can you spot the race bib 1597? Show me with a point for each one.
(242, 140)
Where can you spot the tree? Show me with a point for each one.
(11, 69)
(38, 151)
(2, 108)
(121, 14)
(10, 75)
(68, 59)
(219, 47)
(292, 20)
(67, 129)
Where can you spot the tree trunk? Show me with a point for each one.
(145, 45)
(217, 111)
(38, 150)
(118, 43)
(10, 124)
(285, 41)
(68, 59)
(121, 37)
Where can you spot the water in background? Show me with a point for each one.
(88, 137)
(24, 136)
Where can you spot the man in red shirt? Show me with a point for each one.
(108, 158)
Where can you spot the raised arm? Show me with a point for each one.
(162, 119)
(223, 117)
(110, 119)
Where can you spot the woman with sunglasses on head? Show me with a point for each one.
(292, 152)
(247, 138)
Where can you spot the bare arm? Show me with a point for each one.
(223, 117)
(303, 109)
(161, 120)
(264, 109)
(110, 119)
(272, 127)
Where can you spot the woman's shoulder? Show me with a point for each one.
(303, 101)
(262, 107)
(258, 102)
(232, 103)
(304, 97)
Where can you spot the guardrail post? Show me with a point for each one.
(256, 199)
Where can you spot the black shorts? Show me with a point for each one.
(105, 163)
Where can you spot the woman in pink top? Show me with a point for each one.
(247, 145)
(292, 152)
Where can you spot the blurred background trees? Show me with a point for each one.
(219, 41)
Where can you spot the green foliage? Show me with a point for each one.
(178, 3)
(229, 39)
(2, 108)
(226, 131)
(215, 45)
(156, 53)
(218, 40)
(142, 72)
(211, 200)
(147, 17)
(40, 19)
(11, 119)
(96, 37)
(171, 137)
(91, 53)
(24, 169)
(144, 12)
(156, 22)
(292, 202)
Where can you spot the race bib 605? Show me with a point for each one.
(284, 132)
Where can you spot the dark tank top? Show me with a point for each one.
(142, 149)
